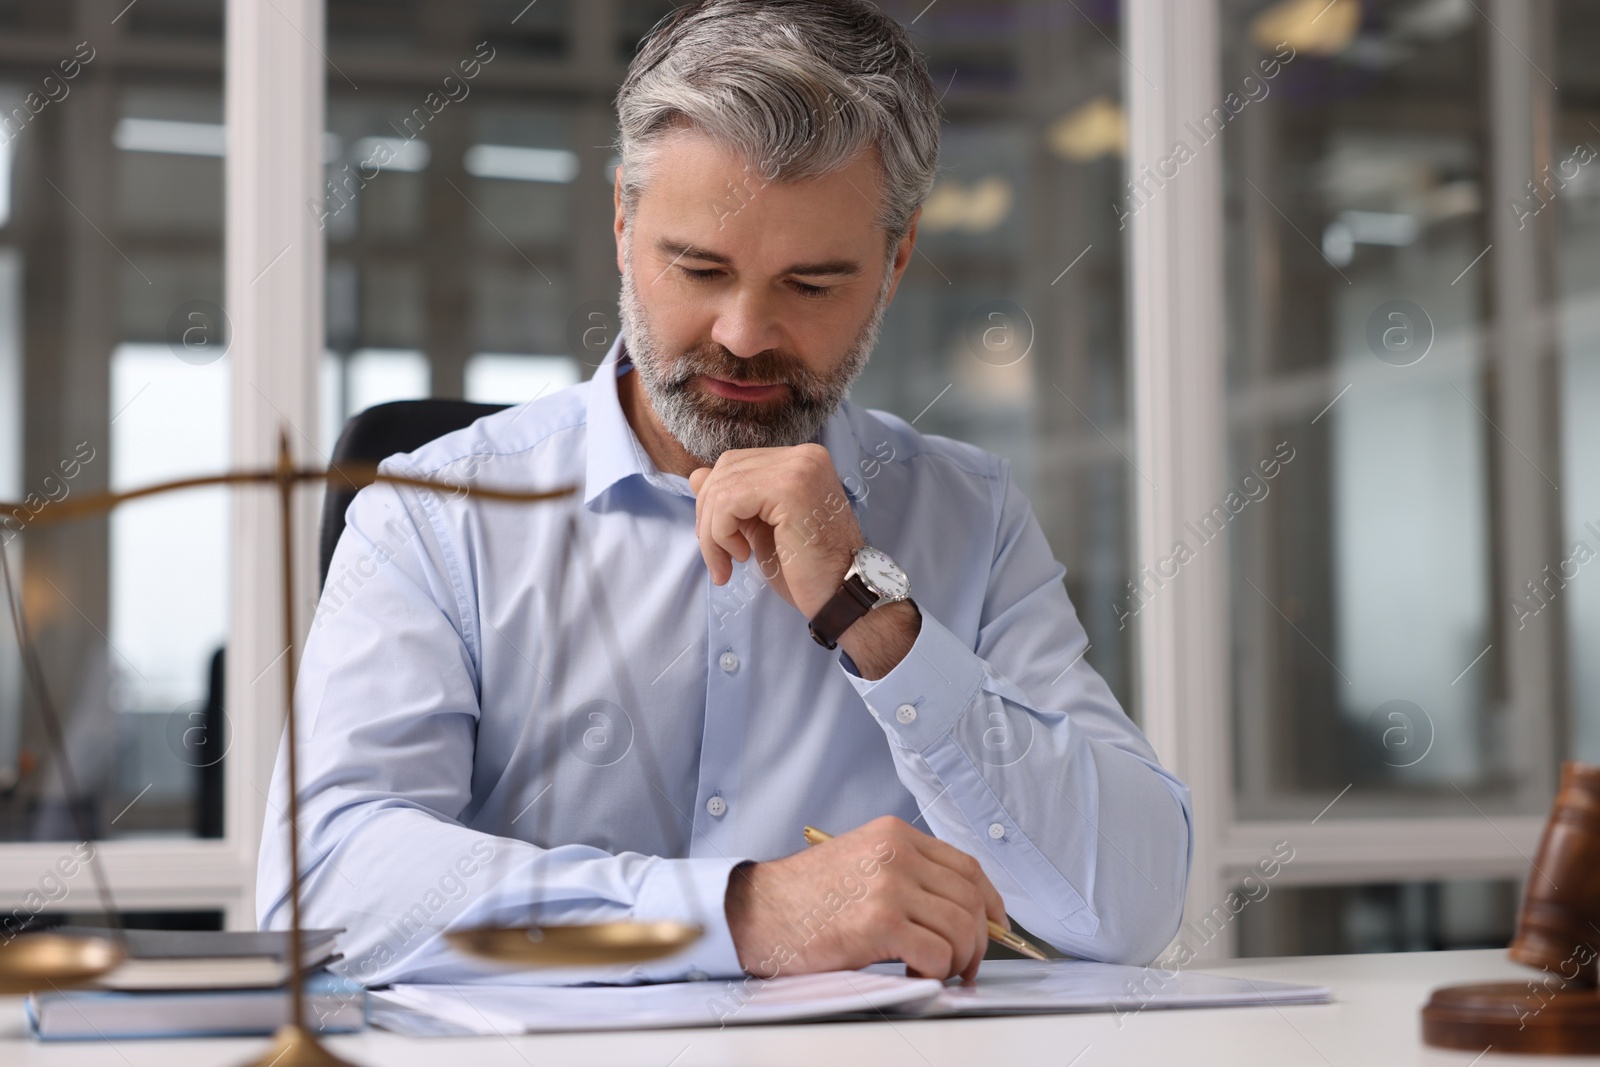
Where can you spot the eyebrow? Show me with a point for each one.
(831, 267)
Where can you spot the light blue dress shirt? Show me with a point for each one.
(479, 747)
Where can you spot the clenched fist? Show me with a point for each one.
(786, 509)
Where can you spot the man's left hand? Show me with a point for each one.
(787, 508)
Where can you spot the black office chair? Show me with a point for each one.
(369, 437)
(378, 433)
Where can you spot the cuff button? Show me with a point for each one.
(906, 714)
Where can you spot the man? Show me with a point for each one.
(627, 706)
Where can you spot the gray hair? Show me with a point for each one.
(799, 88)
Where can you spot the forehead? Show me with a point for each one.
(700, 192)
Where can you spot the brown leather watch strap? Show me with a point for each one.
(852, 601)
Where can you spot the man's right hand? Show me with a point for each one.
(883, 891)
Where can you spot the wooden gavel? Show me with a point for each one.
(1558, 933)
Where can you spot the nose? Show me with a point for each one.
(746, 326)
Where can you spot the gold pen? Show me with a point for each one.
(997, 933)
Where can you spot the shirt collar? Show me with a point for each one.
(615, 452)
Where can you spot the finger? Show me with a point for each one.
(925, 953)
(745, 546)
(994, 905)
(756, 484)
(950, 921)
(729, 521)
(718, 563)
(980, 934)
(948, 885)
(953, 858)
(765, 546)
(697, 478)
(741, 513)
(941, 881)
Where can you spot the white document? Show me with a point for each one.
(1015, 987)
(478, 1008)
(1005, 987)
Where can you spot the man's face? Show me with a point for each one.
(750, 306)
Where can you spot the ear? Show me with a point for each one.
(620, 223)
(902, 253)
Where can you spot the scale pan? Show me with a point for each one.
(594, 945)
(38, 962)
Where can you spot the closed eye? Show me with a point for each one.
(708, 274)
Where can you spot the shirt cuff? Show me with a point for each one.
(694, 891)
(928, 691)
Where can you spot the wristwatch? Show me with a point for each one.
(872, 581)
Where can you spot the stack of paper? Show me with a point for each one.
(500, 1009)
(1005, 987)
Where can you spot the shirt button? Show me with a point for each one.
(716, 806)
(906, 713)
(996, 831)
(729, 662)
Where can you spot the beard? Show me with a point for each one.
(706, 424)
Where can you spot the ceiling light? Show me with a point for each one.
(172, 138)
(180, 138)
(510, 163)
(1089, 131)
(1316, 27)
(978, 209)
(403, 154)
(1351, 228)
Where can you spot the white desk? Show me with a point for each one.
(1373, 1021)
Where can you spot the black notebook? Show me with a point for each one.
(209, 959)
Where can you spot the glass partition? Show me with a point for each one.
(1357, 517)
(113, 372)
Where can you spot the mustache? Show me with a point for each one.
(769, 367)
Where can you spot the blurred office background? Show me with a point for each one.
(1409, 344)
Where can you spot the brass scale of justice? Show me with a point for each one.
(40, 962)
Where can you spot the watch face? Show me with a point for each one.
(883, 574)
